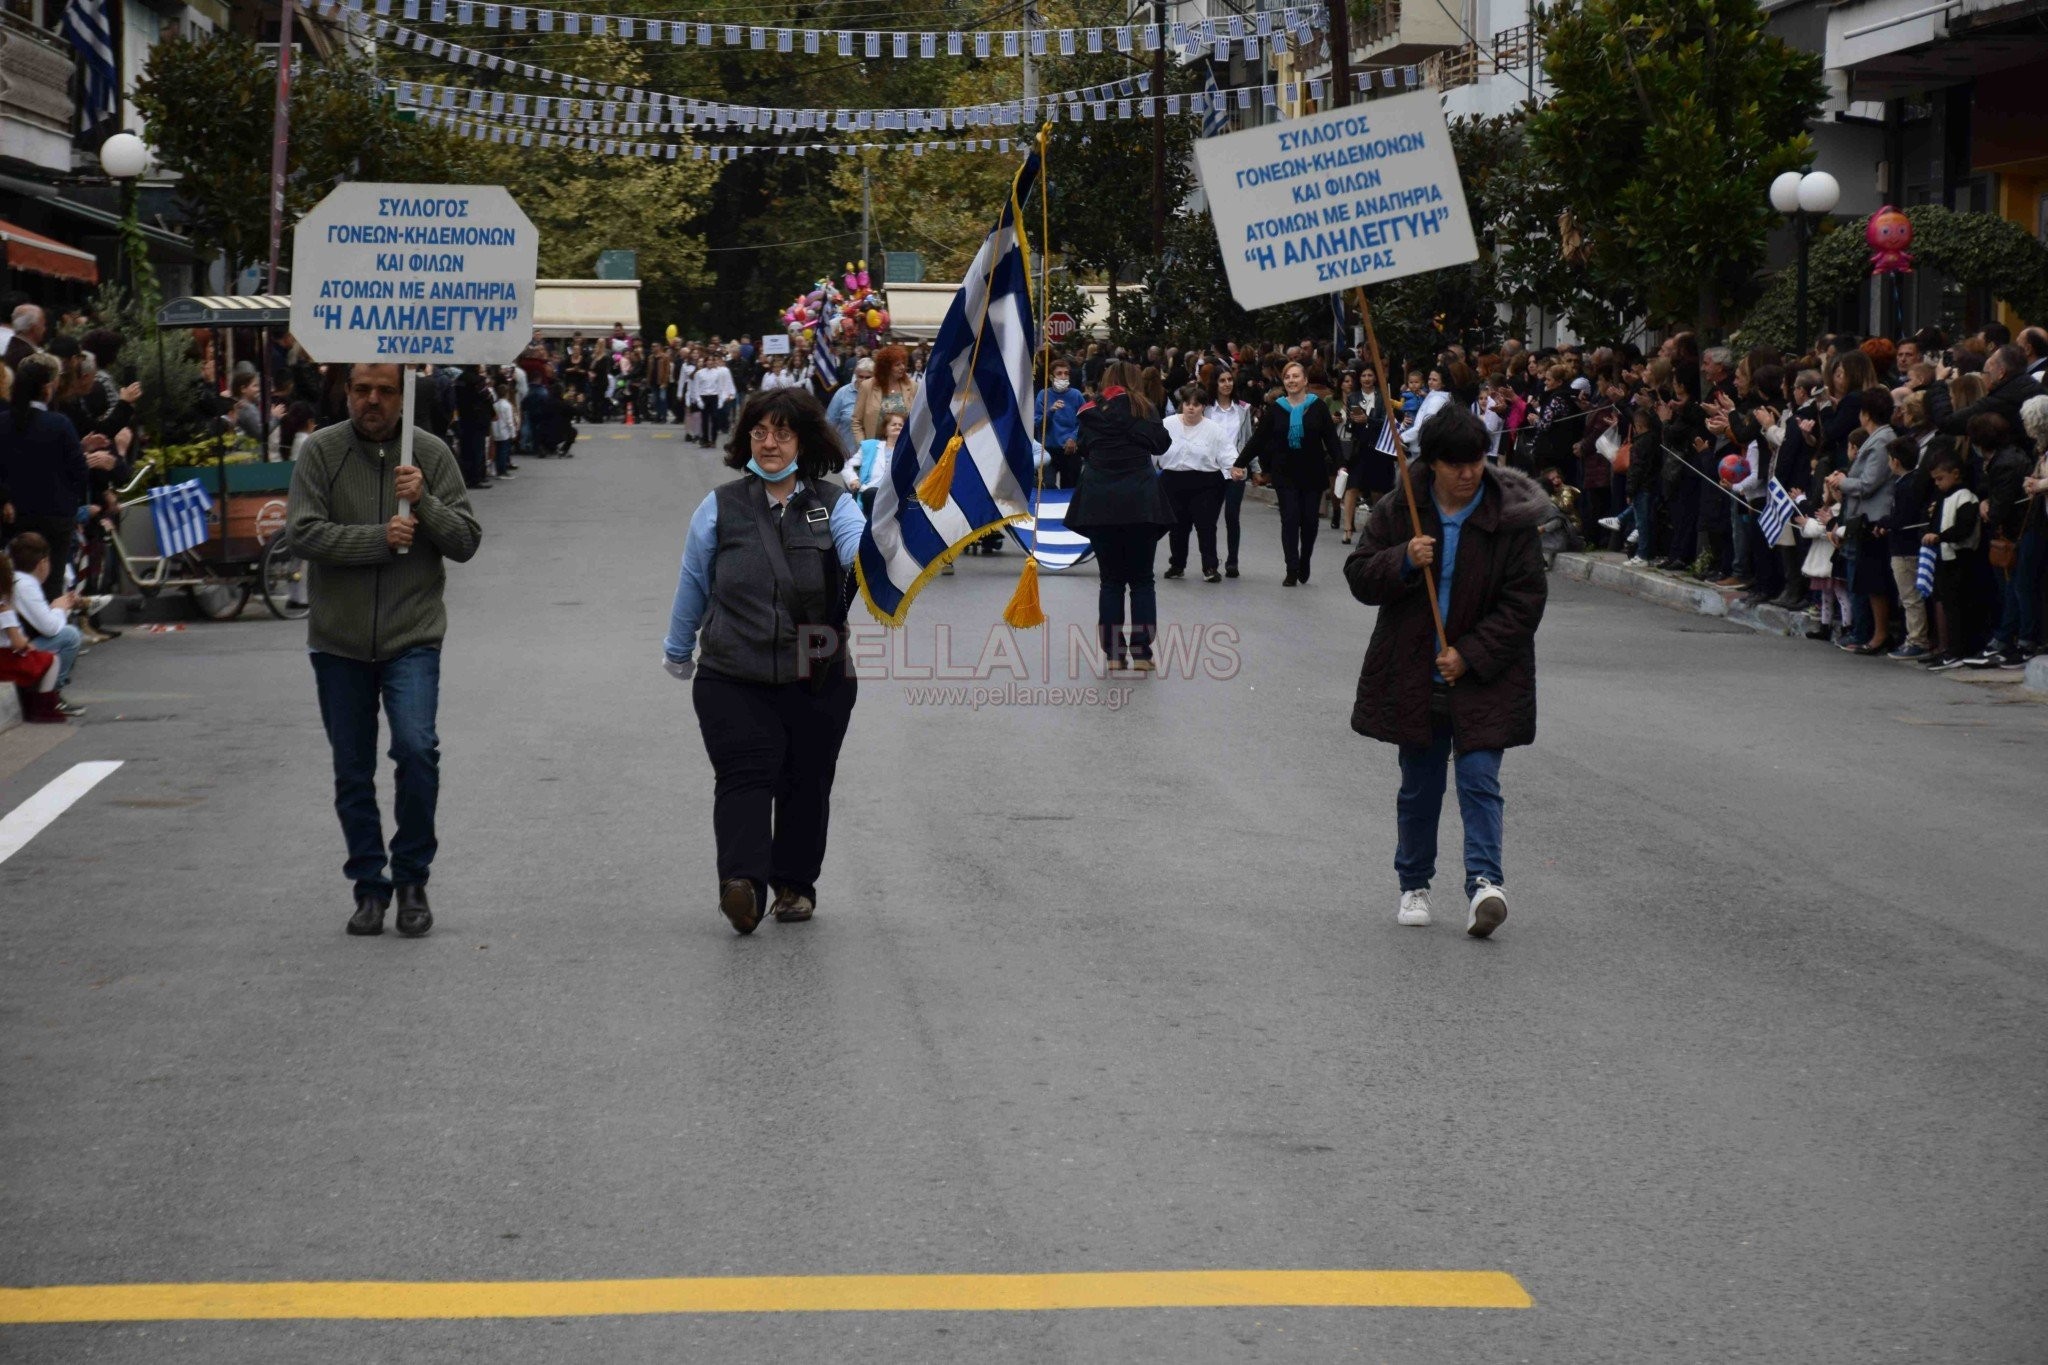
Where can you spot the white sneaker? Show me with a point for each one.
(1633, 537)
(1414, 907)
(1636, 562)
(1611, 523)
(93, 606)
(1489, 908)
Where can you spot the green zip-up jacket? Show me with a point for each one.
(369, 602)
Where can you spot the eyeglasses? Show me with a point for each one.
(772, 436)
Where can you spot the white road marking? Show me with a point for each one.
(34, 815)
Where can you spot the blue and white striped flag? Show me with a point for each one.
(87, 30)
(1046, 537)
(179, 512)
(975, 406)
(1923, 575)
(1217, 120)
(825, 365)
(1390, 439)
(1778, 513)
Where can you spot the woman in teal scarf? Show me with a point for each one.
(1296, 445)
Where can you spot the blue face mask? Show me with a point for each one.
(754, 468)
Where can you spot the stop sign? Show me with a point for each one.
(1059, 326)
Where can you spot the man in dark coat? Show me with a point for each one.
(1477, 697)
(2010, 386)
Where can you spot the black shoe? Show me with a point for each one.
(1790, 601)
(67, 708)
(1288, 581)
(740, 904)
(1175, 573)
(414, 919)
(369, 916)
(1302, 574)
(1820, 633)
(1230, 571)
(1211, 576)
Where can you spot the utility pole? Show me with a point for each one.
(1339, 38)
(280, 137)
(867, 209)
(1030, 71)
(1159, 131)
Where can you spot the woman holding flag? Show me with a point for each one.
(1120, 508)
(759, 623)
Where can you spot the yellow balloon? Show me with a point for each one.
(874, 317)
(809, 333)
(672, 331)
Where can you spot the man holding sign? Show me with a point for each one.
(375, 578)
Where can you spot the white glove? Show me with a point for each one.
(685, 669)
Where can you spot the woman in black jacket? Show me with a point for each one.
(1121, 510)
(1296, 445)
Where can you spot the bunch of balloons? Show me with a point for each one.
(854, 313)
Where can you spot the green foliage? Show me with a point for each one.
(167, 373)
(1979, 250)
(1666, 124)
(207, 105)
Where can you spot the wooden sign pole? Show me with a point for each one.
(1388, 410)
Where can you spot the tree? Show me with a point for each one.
(1102, 194)
(1666, 124)
(207, 105)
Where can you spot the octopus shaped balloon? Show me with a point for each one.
(1889, 233)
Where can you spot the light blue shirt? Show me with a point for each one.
(839, 414)
(1447, 562)
(693, 589)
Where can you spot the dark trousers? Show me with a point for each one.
(1124, 556)
(1300, 509)
(1233, 529)
(713, 418)
(409, 688)
(1196, 497)
(775, 750)
(60, 532)
(1685, 520)
(470, 440)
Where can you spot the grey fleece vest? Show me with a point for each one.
(758, 628)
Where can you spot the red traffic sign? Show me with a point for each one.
(1059, 326)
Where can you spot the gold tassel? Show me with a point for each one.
(1024, 612)
(937, 486)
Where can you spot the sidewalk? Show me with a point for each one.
(1604, 569)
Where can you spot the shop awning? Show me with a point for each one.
(40, 255)
(227, 310)
(592, 307)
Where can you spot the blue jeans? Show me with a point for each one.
(1421, 803)
(409, 687)
(1646, 520)
(64, 644)
(2026, 585)
(1741, 526)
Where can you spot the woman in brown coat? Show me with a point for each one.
(1478, 696)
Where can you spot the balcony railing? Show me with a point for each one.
(36, 106)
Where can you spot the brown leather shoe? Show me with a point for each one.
(737, 899)
(790, 908)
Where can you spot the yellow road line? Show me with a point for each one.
(765, 1294)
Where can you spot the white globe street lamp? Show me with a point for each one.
(1804, 198)
(124, 156)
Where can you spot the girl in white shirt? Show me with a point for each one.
(1219, 382)
(1198, 464)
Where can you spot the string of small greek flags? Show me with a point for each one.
(669, 113)
(596, 135)
(1217, 35)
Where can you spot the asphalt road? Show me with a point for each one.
(1752, 1073)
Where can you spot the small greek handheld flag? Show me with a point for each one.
(1046, 537)
(826, 364)
(1923, 575)
(179, 512)
(1778, 513)
(1390, 440)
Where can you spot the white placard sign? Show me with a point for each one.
(774, 344)
(1347, 197)
(414, 273)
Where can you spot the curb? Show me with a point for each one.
(1704, 599)
(10, 707)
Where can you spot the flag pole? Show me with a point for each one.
(1387, 411)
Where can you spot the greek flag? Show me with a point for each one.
(1046, 538)
(1217, 120)
(1923, 574)
(1390, 439)
(179, 512)
(825, 365)
(1778, 513)
(967, 445)
(86, 29)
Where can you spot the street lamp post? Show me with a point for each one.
(1804, 198)
(124, 157)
